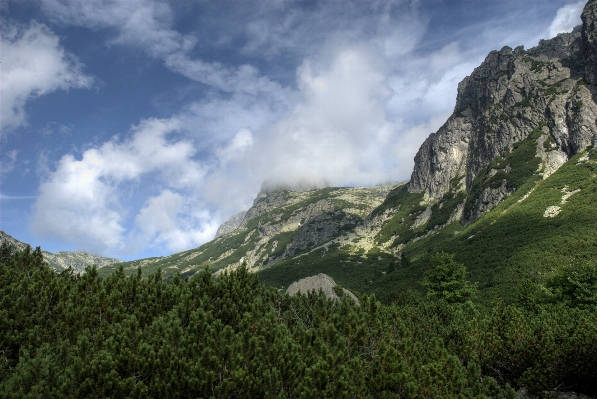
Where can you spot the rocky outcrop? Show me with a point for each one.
(231, 224)
(589, 41)
(321, 282)
(509, 95)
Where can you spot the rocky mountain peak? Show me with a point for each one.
(510, 95)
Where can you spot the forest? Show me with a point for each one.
(64, 335)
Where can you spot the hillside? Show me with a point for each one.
(282, 224)
(507, 184)
(62, 260)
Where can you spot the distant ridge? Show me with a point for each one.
(62, 260)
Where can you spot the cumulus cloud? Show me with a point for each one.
(566, 18)
(169, 220)
(82, 199)
(34, 64)
(340, 132)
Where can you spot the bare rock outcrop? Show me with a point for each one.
(321, 282)
(231, 224)
(509, 95)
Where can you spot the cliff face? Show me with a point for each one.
(511, 94)
(231, 224)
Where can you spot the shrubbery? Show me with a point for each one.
(63, 335)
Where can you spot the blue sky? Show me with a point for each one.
(133, 128)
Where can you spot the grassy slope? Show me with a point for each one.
(512, 242)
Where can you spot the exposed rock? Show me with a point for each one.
(552, 159)
(231, 224)
(422, 218)
(589, 40)
(552, 211)
(508, 96)
(12, 241)
(489, 198)
(320, 282)
(270, 186)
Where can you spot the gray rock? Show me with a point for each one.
(589, 40)
(320, 282)
(509, 95)
(231, 224)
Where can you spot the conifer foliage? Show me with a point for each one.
(69, 336)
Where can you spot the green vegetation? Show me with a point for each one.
(526, 102)
(278, 207)
(515, 241)
(406, 207)
(506, 246)
(447, 280)
(522, 163)
(282, 239)
(536, 65)
(444, 208)
(62, 335)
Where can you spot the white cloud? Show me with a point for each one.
(83, 201)
(359, 112)
(170, 220)
(566, 18)
(34, 64)
(242, 140)
(410, 139)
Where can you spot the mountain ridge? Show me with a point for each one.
(62, 260)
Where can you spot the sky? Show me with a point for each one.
(134, 128)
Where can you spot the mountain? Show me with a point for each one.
(283, 223)
(508, 185)
(63, 260)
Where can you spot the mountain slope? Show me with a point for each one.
(63, 260)
(282, 224)
(508, 185)
(543, 226)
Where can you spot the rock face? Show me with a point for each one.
(512, 93)
(320, 282)
(589, 39)
(231, 224)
